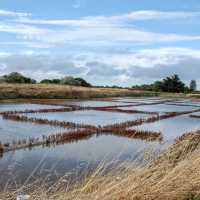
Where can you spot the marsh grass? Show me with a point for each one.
(45, 91)
(40, 188)
(175, 174)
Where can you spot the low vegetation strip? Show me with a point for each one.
(144, 104)
(76, 135)
(183, 104)
(108, 107)
(154, 118)
(47, 140)
(51, 110)
(195, 116)
(88, 130)
(136, 134)
(64, 124)
(51, 91)
(127, 111)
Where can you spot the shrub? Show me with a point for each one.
(69, 80)
(16, 77)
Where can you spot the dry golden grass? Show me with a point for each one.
(195, 96)
(175, 175)
(61, 91)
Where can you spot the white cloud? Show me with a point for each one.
(22, 29)
(109, 35)
(113, 20)
(3, 66)
(28, 44)
(95, 30)
(142, 66)
(125, 68)
(149, 58)
(4, 54)
(155, 15)
(92, 36)
(13, 14)
(100, 30)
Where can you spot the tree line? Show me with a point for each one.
(16, 77)
(169, 84)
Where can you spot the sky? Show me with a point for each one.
(107, 42)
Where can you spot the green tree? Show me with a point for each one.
(83, 82)
(69, 80)
(193, 85)
(16, 77)
(169, 84)
(173, 84)
(158, 86)
(50, 81)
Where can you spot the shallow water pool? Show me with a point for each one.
(92, 117)
(11, 130)
(24, 106)
(161, 108)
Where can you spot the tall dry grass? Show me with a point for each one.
(175, 174)
(45, 91)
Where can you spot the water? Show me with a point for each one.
(161, 108)
(73, 158)
(10, 130)
(139, 100)
(189, 103)
(89, 117)
(173, 127)
(96, 103)
(197, 113)
(80, 157)
(24, 106)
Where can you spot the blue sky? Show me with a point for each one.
(108, 42)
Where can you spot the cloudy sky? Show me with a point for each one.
(108, 42)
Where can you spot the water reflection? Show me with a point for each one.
(161, 108)
(24, 106)
(96, 103)
(89, 117)
(77, 158)
(64, 158)
(173, 127)
(11, 130)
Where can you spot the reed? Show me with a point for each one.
(65, 109)
(151, 119)
(1, 149)
(61, 138)
(144, 104)
(64, 124)
(136, 134)
(58, 138)
(173, 175)
(111, 107)
(128, 111)
(195, 116)
(182, 104)
(82, 130)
